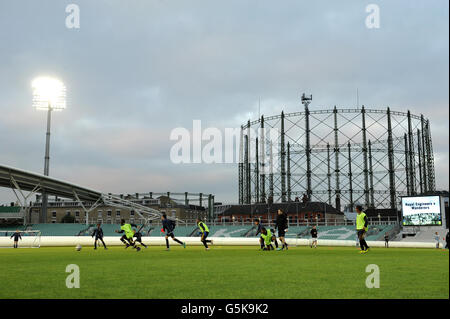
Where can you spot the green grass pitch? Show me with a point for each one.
(224, 272)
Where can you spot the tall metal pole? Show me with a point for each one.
(430, 159)
(419, 149)
(365, 171)
(263, 163)
(257, 171)
(288, 172)
(283, 161)
(329, 173)
(392, 191)
(407, 167)
(43, 218)
(336, 153)
(412, 164)
(424, 154)
(248, 175)
(350, 178)
(241, 168)
(308, 154)
(270, 171)
(247, 172)
(372, 197)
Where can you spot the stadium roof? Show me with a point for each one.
(32, 182)
(28, 181)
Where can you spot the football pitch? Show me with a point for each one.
(224, 272)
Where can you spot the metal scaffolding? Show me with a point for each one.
(344, 157)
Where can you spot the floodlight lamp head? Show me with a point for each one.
(48, 93)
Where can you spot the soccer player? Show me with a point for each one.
(261, 240)
(361, 228)
(314, 237)
(436, 238)
(138, 236)
(168, 227)
(205, 232)
(266, 234)
(98, 233)
(282, 226)
(127, 238)
(386, 240)
(16, 236)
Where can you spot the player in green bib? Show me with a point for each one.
(205, 232)
(361, 228)
(267, 235)
(128, 236)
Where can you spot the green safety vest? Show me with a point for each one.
(128, 230)
(204, 226)
(360, 221)
(267, 238)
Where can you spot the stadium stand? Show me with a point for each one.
(424, 234)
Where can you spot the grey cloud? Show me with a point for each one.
(135, 71)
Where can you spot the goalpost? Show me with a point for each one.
(30, 239)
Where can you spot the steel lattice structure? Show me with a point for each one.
(340, 156)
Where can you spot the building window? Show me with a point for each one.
(109, 213)
(132, 213)
(100, 214)
(117, 213)
(54, 214)
(77, 214)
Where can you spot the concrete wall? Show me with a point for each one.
(51, 241)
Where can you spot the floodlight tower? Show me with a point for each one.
(49, 94)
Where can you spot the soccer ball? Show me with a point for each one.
(78, 248)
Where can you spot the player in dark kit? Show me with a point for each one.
(168, 227)
(98, 233)
(314, 237)
(282, 225)
(138, 236)
(16, 236)
(259, 227)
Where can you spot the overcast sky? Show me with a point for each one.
(135, 70)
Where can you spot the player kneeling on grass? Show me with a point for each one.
(16, 236)
(205, 232)
(127, 239)
(361, 227)
(267, 236)
(261, 240)
(98, 233)
(168, 227)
